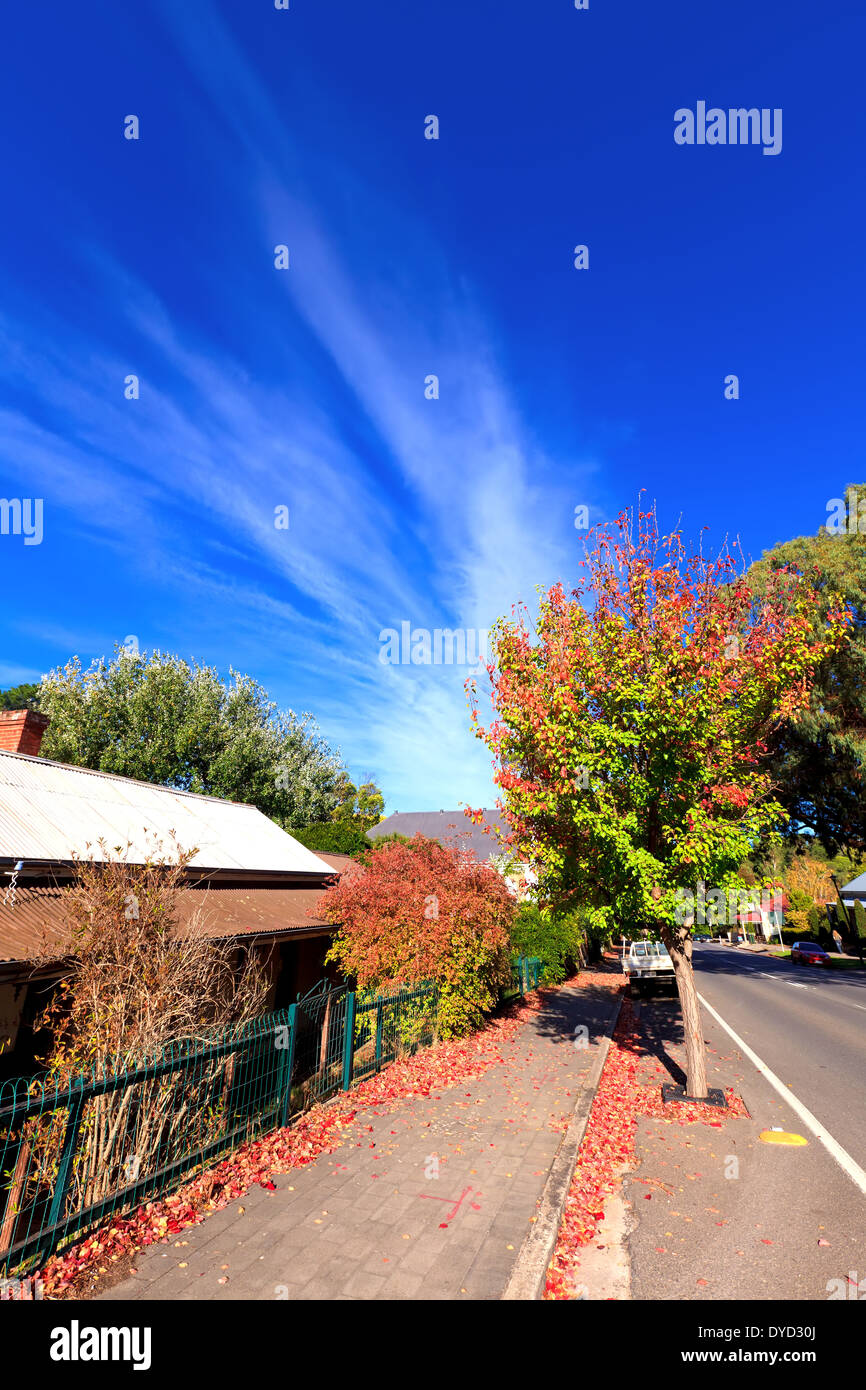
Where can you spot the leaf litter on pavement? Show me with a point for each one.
(608, 1146)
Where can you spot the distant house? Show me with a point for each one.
(455, 831)
(250, 882)
(451, 828)
(854, 892)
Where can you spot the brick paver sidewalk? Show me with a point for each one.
(373, 1219)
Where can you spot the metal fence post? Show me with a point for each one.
(349, 1041)
(64, 1171)
(379, 1022)
(287, 1066)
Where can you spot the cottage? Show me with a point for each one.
(249, 881)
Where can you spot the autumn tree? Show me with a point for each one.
(139, 969)
(419, 911)
(628, 728)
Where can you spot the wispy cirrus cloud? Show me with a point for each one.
(440, 512)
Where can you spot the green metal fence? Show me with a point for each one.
(75, 1153)
(525, 974)
(388, 1025)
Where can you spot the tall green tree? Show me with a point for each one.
(817, 758)
(20, 697)
(627, 733)
(161, 719)
(363, 804)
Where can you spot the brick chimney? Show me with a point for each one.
(21, 730)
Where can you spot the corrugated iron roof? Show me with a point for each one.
(39, 916)
(52, 812)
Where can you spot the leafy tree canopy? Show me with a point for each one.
(334, 837)
(419, 911)
(817, 758)
(20, 697)
(161, 719)
(364, 803)
(629, 726)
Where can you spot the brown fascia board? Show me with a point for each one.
(20, 970)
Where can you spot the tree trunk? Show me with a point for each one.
(679, 944)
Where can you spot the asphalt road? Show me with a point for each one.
(781, 1223)
(806, 1022)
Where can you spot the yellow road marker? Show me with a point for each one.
(781, 1136)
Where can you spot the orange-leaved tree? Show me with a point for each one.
(419, 911)
(628, 729)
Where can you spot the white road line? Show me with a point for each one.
(842, 1157)
(795, 984)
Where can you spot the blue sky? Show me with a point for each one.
(408, 257)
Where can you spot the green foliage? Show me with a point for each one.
(364, 804)
(161, 719)
(334, 837)
(797, 931)
(800, 900)
(797, 920)
(860, 920)
(818, 755)
(393, 838)
(20, 697)
(555, 940)
(629, 719)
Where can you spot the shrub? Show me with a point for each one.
(334, 837)
(556, 940)
(418, 911)
(800, 901)
(139, 974)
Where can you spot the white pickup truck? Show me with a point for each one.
(647, 964)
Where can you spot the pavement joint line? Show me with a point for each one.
(842, 1157)
(530, 1269)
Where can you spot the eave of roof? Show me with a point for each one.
(35, 924)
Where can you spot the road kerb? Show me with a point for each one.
(528, 1277)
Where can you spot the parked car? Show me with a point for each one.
(809, 953)
(703, 938)
(647, 965)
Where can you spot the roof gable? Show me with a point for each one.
(451, 828)
(52, 812)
